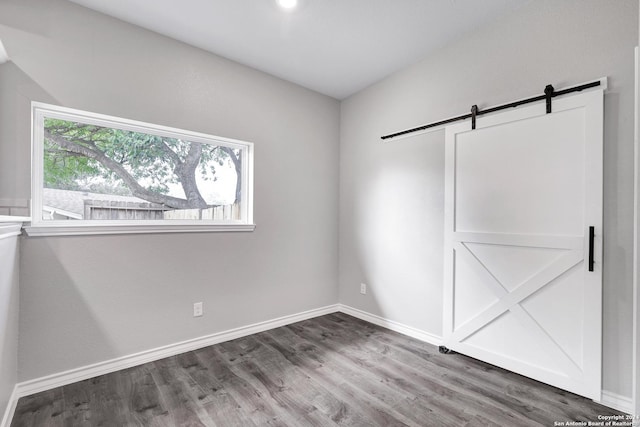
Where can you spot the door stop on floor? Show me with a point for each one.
(444, 350)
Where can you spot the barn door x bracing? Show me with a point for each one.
(522, 192)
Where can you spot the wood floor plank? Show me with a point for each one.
(180, 394)
(397, 379)
(557, 402)
(251, 401)
(351, 387)
(77, 402)
(477, 384)
(306, 388)
(145, 403)
(222, 408)
(432, 385)
(98, 401)
(43, 409)
(333, 370)
(287, 394)
(504, 388)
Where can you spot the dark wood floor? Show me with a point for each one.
(328, 371)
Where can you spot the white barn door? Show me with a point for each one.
(522, 191)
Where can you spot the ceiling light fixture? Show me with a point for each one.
(287, 4)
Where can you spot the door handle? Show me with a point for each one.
(592, 235)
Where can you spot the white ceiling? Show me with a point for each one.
(335, 47)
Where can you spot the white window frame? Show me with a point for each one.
(40, 227)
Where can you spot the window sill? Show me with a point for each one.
(14, 219)
(88, 230)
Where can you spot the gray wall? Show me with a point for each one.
(90, 299)
(9, 310)
(391, 195)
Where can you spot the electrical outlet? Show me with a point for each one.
(363, 288)
(198, 309)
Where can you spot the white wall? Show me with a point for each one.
(89, 299)
(391, 195)
(9, 309)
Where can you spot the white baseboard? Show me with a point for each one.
(616, 401)
(392, 325)
(612, 400)
(11, 408)
(90, 371)
(49, 382)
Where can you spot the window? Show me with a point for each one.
(96, 174)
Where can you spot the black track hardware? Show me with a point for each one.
(474, 113)
(549, 93)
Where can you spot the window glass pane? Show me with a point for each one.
(92, 172)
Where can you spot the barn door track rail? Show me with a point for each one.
(549, 93)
